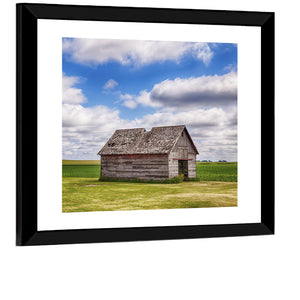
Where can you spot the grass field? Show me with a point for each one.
(215, 171)
(82, 191)
(210, 171)
(81, 168)
(85, 194)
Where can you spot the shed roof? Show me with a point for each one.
(159, 140)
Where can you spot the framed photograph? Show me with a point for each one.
(137, 124)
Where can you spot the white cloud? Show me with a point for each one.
(128, 101)
(126, 97)
(187, 93)
(110, 84)
(214, 129)
(132, 52)
(144, 98)
(130, 104)
(203, 52)
(70, 94)
(85, 130)
(198, 118)
(205, 91)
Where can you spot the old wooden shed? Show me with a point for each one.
(162, 152)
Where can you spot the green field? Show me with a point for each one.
(85, 194)
(81, 168)
(217, 171)
(82, 191)
(211, 171)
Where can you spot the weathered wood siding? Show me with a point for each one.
(173, 165)
(183, 150)
(192, 165)
(143, 166)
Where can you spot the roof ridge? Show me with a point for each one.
(158, 140)
(130, 129)
(168, 126)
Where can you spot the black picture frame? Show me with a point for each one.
(27, 103)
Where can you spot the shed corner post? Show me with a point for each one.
(100, 168)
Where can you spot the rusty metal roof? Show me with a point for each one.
(159, 140)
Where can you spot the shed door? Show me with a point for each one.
(183, 168)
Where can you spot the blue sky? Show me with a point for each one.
(112, 84)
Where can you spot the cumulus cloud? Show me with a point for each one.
(144, 98)
(213, 129)
(71, 94)
(130, 104)
(128, 101)
(126, 97)
(204, 91)
(198, 118)
(207, 105)
(85, 130)
(203, 52)
(110, 84)
(132, 52)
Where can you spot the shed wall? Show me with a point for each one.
(183, 150)
(143, 166)
(192, 166)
